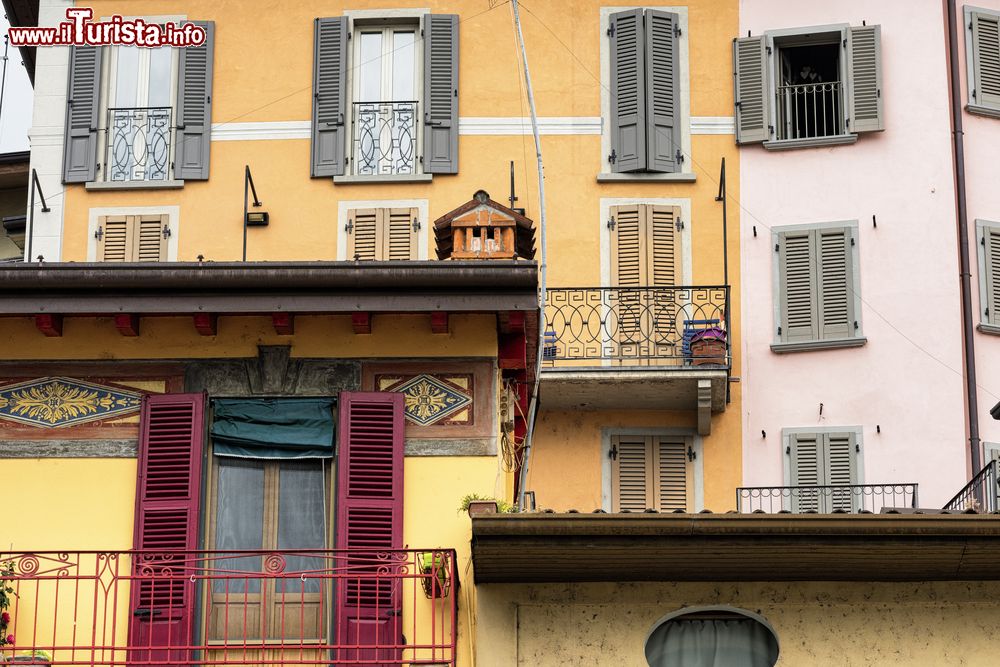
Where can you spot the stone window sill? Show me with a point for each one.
(982, 111)
(805, 346)
(135, 185)
(817, 142)
(401, 178)
(646, 178)
(991, 329)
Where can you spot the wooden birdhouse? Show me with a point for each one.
(483, 229)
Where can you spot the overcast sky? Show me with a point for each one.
(15, 116)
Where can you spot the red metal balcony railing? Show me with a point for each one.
(308, 607)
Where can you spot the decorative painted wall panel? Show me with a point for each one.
(57, 402)
(433, 399)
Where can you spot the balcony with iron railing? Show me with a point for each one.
(810, 114)
(670, 344)
(385, 138)
(138, 145)
(329, 607)
(981, 494)
(825, 499)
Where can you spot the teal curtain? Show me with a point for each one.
(711, 643)
(273, 428)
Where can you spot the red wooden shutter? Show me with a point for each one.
(171, 444)
(370, 524)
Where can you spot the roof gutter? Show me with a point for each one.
(958, 139)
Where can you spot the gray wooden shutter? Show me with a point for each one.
(663, 137)
(835, 287)
(991, 243)
(985, 81)
(840, 463)
(80, 140)
(328, 147)
(628, 92)
(632, 478)
(194, 108)
(797, 287)
(440, 94)
(864, 79)
(805, 451)
(753, 107)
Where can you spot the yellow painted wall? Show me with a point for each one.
(842, 624)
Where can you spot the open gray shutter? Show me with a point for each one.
(751, 90)
(663, 137)
(440, 94)
(991, 243)
(80, 141)
(628, 92)
(864, 80)
(835, 289)
(329, 97)
(194, 108)
(841, 471)
(806, 467)
(985, 81)
(797, 286)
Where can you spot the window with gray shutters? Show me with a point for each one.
(385, 97)
(988, 237)
(822, 467)
(982, 55)
(817, 300)
(644, 115)
(801, 87)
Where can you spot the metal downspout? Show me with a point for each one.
(971, 400)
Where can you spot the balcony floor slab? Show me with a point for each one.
(644, 388)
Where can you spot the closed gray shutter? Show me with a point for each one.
(194, 108)
(864, 79)
(835, 273)
(440, 94)
(663, 139)
(841, 471)
(797, 287)
(806, 467)
(985, 81)
(628, 92)
(991, 243)
(751, 90)
(80, 141)
(329, 97)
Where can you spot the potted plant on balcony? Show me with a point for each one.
(437, 580)
(708, 346)
(476, 504)
(36, 657)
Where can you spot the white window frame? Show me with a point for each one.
(173, 214)
(981, 227)
(694, 441)
(858, 339)
(684, 112)
(383, 19)
(970, 63)
(108, 85)
(343, 207)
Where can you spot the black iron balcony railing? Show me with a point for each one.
(809, 111)
(638, 325)
(982, 493)
(385, 138)
(138, 144)
(825, 499)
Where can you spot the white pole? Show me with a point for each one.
(533, 406)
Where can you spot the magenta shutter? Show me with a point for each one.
(171, 444)
(370, 524)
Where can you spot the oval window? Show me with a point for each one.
(712, 637)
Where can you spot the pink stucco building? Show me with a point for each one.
(853, 365)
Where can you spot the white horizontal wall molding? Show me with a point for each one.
(470, 125)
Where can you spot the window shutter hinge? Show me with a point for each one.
(691, 455)
(847, 123)
(679, 156)
(99, 233)
(613, 156)
(982, 241)
(611, 223)
(613, 453)
(770, 129)
(779, 331)
(788, 450)
(845, 42)
(611, 30)
(349, 227)
(856, 327)
(166, 231)
(852, 240)
(777, 247)
(677, 31)
(768, 49)
(973, 93)
(416, 225)
(679, 224)
(857, 448)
